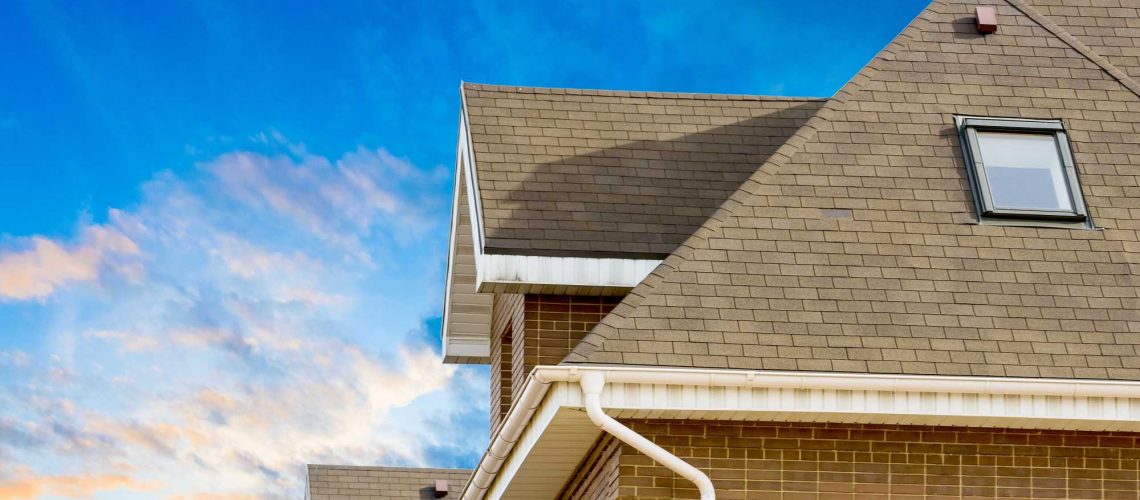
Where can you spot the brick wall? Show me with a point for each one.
(555, 324)
(506, 318)
(597, 476)
(532, 330)
(832, 461)
(500, 378)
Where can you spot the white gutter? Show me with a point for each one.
(592, 384)
(506, 437)
(848, 381)
(542, 377)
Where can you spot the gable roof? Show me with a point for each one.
(610, 173)
(855, 248)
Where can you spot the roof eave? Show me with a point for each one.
(473, 345)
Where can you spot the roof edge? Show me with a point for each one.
(464, 178)
(1089, 53)
(601, 332)
(387, 468)
(519, 89)
(467, 154)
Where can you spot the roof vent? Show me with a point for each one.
(440, 488)
(987, 19)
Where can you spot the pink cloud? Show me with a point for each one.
(24, 485)
(38, 271)
(128, 342)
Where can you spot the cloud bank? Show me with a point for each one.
(264, 311)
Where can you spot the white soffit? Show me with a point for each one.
(547, 453)
(466, 312)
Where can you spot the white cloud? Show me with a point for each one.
(268, 329)
(129, 342)
(339, 200)
(15, 358)
(45, 265)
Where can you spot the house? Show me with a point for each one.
(923, 286)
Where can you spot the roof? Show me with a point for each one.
(590, 172)
(855, 247)
(1110, 27)
(344, 482)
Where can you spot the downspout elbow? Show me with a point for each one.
(592, 384)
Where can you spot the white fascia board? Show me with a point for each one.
(743, 395)
(566, 271)
(467, 154)
(452, 244)
(463, 350)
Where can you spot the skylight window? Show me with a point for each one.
(1022, 169)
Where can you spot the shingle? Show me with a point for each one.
(907, 281)
(1110, 27)
(344, 482)
(703, 148)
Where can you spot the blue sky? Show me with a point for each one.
(223, 224)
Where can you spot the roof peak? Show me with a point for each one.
(634, 93)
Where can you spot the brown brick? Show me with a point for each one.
(928, 470)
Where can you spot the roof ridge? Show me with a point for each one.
(594, 340)
(633, 93)
(1089, 53)
(388, 468)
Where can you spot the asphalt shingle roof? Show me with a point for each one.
(856, 247)
(1111, 27)
(346, 482)
(564, 172)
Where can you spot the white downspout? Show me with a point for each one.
(592, 384)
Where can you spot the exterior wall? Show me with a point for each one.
(597, 475)
(506, 319)
(849, 461)
(500, 377)
(556, 323)
(532, 330)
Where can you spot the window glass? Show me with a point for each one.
(1024, 171)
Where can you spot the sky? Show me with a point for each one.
(223, 225)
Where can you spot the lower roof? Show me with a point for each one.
(348, 482)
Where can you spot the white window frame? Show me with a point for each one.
(969, 126)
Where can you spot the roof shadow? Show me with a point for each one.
(632, 199)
